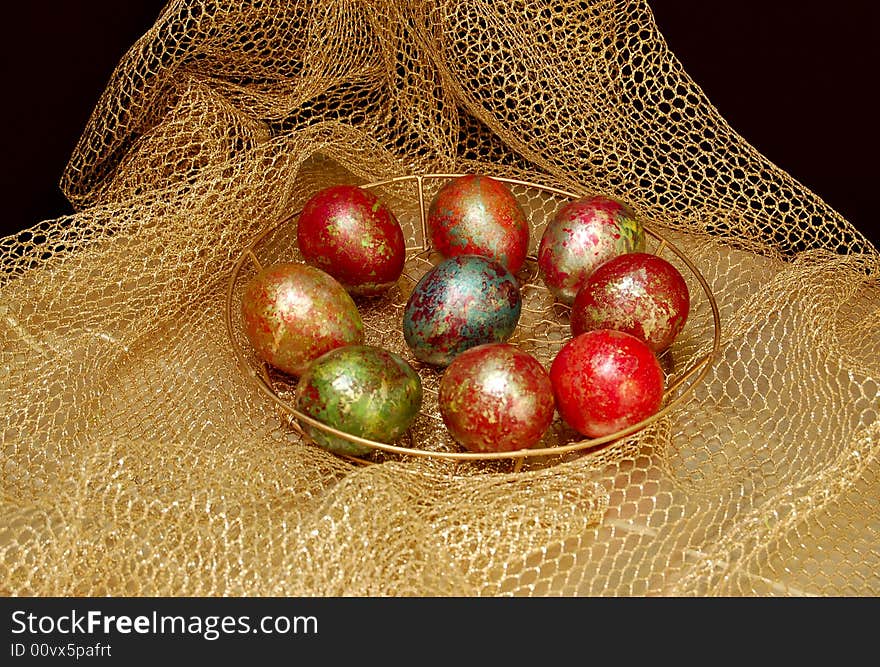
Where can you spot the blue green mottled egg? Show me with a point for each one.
(362, 390)
(462, 302)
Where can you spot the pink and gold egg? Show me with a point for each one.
(583, 234)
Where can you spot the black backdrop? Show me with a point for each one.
(794, 77)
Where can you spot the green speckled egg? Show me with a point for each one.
(363, 390)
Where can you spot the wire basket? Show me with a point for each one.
(542, 329)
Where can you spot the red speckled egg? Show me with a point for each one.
(582, 235)
(349, 233)
(293, 313)
(496, 398)
(478, 215)
(605, 381)
(638, 293)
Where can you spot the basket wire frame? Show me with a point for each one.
(674, 393)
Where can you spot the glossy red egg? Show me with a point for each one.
(496, 398)
(605, 381)
(293, 313)
(349, 233)
(479, 215)
(639, 293)
(583, 234)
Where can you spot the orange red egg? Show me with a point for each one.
(605, 381)
(293, 313)
(479, 215)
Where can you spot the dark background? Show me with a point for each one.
(794, 78)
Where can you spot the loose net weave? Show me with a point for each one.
(138, 458)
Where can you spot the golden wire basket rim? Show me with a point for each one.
(695, 372)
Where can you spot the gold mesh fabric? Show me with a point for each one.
(139, 459)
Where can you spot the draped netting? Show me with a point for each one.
(138, 459)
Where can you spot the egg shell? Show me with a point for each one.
(641, 294)
(351, 234)
(496, 398)
(462, 302)
(583, 234)
(605, 381)
(293, 313)
(479, 215)
(362, 390)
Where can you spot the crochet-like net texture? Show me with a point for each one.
(138, 456)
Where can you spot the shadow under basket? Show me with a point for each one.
(543, 328)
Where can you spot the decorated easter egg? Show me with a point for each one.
(362, 390)
(583, 234)
(462, 302)
(605, 381)
(639, 293)
(478, 215)
(496, 398)
(352, 235)
(293, 313)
